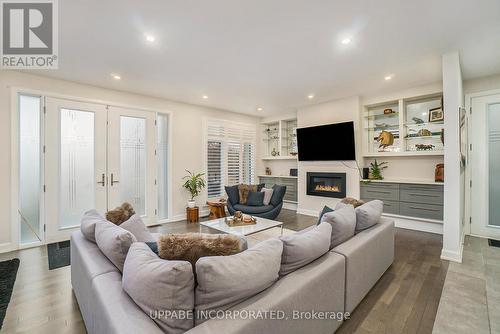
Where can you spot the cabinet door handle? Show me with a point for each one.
(378, 192)
(113, 181)
(422, 195)
(103, 182)
(427, 209)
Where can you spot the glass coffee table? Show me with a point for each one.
(262, 225)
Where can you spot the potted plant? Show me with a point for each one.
(376, 170)
(195, 183)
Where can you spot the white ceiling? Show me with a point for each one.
(272, 53)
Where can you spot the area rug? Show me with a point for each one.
(59, 254)
(275, 232)
(8, 273)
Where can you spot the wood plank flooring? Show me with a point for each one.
(405, 300)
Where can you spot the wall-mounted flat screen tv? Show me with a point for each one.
(327, 142)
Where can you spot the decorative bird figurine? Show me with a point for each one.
(386, 139)
(418, 120)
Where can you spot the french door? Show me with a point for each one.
(97, 156)
(485, 166)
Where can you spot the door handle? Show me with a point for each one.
(113, 181)
(103, 182)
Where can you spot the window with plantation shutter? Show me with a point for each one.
(230, 155)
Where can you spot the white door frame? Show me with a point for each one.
(468, 174)
(14, 191)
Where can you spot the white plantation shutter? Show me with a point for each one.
(230, 155)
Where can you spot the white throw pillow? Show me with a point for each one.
(114, 242)
(136, 226)
(155, 284)
(268, 193)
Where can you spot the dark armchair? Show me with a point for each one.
(270, 211)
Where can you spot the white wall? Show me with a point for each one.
(482, 84)
(453, 188)
(336, 111)
(187, 146)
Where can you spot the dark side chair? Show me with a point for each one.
(270, 211)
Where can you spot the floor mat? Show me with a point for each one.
(8, 273)
(59, 254)
(494, 243)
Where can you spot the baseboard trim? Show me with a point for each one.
(6, 247)
(417, 225)
(452, 255)
(290, 206)
(306, 212)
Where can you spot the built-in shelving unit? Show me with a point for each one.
(280, 140)
(408, 125)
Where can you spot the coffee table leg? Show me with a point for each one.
(281, 229)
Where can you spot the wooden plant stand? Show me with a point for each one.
(193, 214)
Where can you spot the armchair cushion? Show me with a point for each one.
(252, 209)
(278, 194)
(255, 198)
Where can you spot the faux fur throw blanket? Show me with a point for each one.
(192, 246)
(120, 214)
(244, 189)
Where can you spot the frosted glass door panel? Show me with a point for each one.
(162, 156)
(494, 163)
(133, 162)
(77, 183)
(29, 168)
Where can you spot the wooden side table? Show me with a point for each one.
(193, 214)
(217, 209)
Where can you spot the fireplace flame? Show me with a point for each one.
(334, 189)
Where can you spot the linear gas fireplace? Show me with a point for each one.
(326, 184)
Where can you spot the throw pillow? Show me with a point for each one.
(244, 189)
(255, 198)
(192, 246)
(278, 194)
(226, 281)
(303, 248)
(88, 222)
(326, 209)
(268, 193)
(368, 214)
(136, 226)
(233, 195)
(159, 285)
(120, 214)
(260, 186)
(114, 242)
(343, 223)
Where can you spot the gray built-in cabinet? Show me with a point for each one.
(289, 181)
(407, 199)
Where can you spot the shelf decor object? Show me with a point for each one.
(280, 139)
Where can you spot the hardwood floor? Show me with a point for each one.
(405, 300)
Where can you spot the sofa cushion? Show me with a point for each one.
(255, 198)
(233, 195)
(303, 248)
(253, 209)
(88, 222)
(193, 246)
(114, 242)
(226, 281)
(278, 194)
(268, 193)
(343, 223)
(244, 189)
(136, 226)
(326, 209)
(159, 285)
(367, 214)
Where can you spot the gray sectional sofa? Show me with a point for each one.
(335, 282)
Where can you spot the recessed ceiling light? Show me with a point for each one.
(116, 76)
(204, 97)
(260, 108)
(150, 38)
(346, 41)
(310, 96)
(388, 77)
